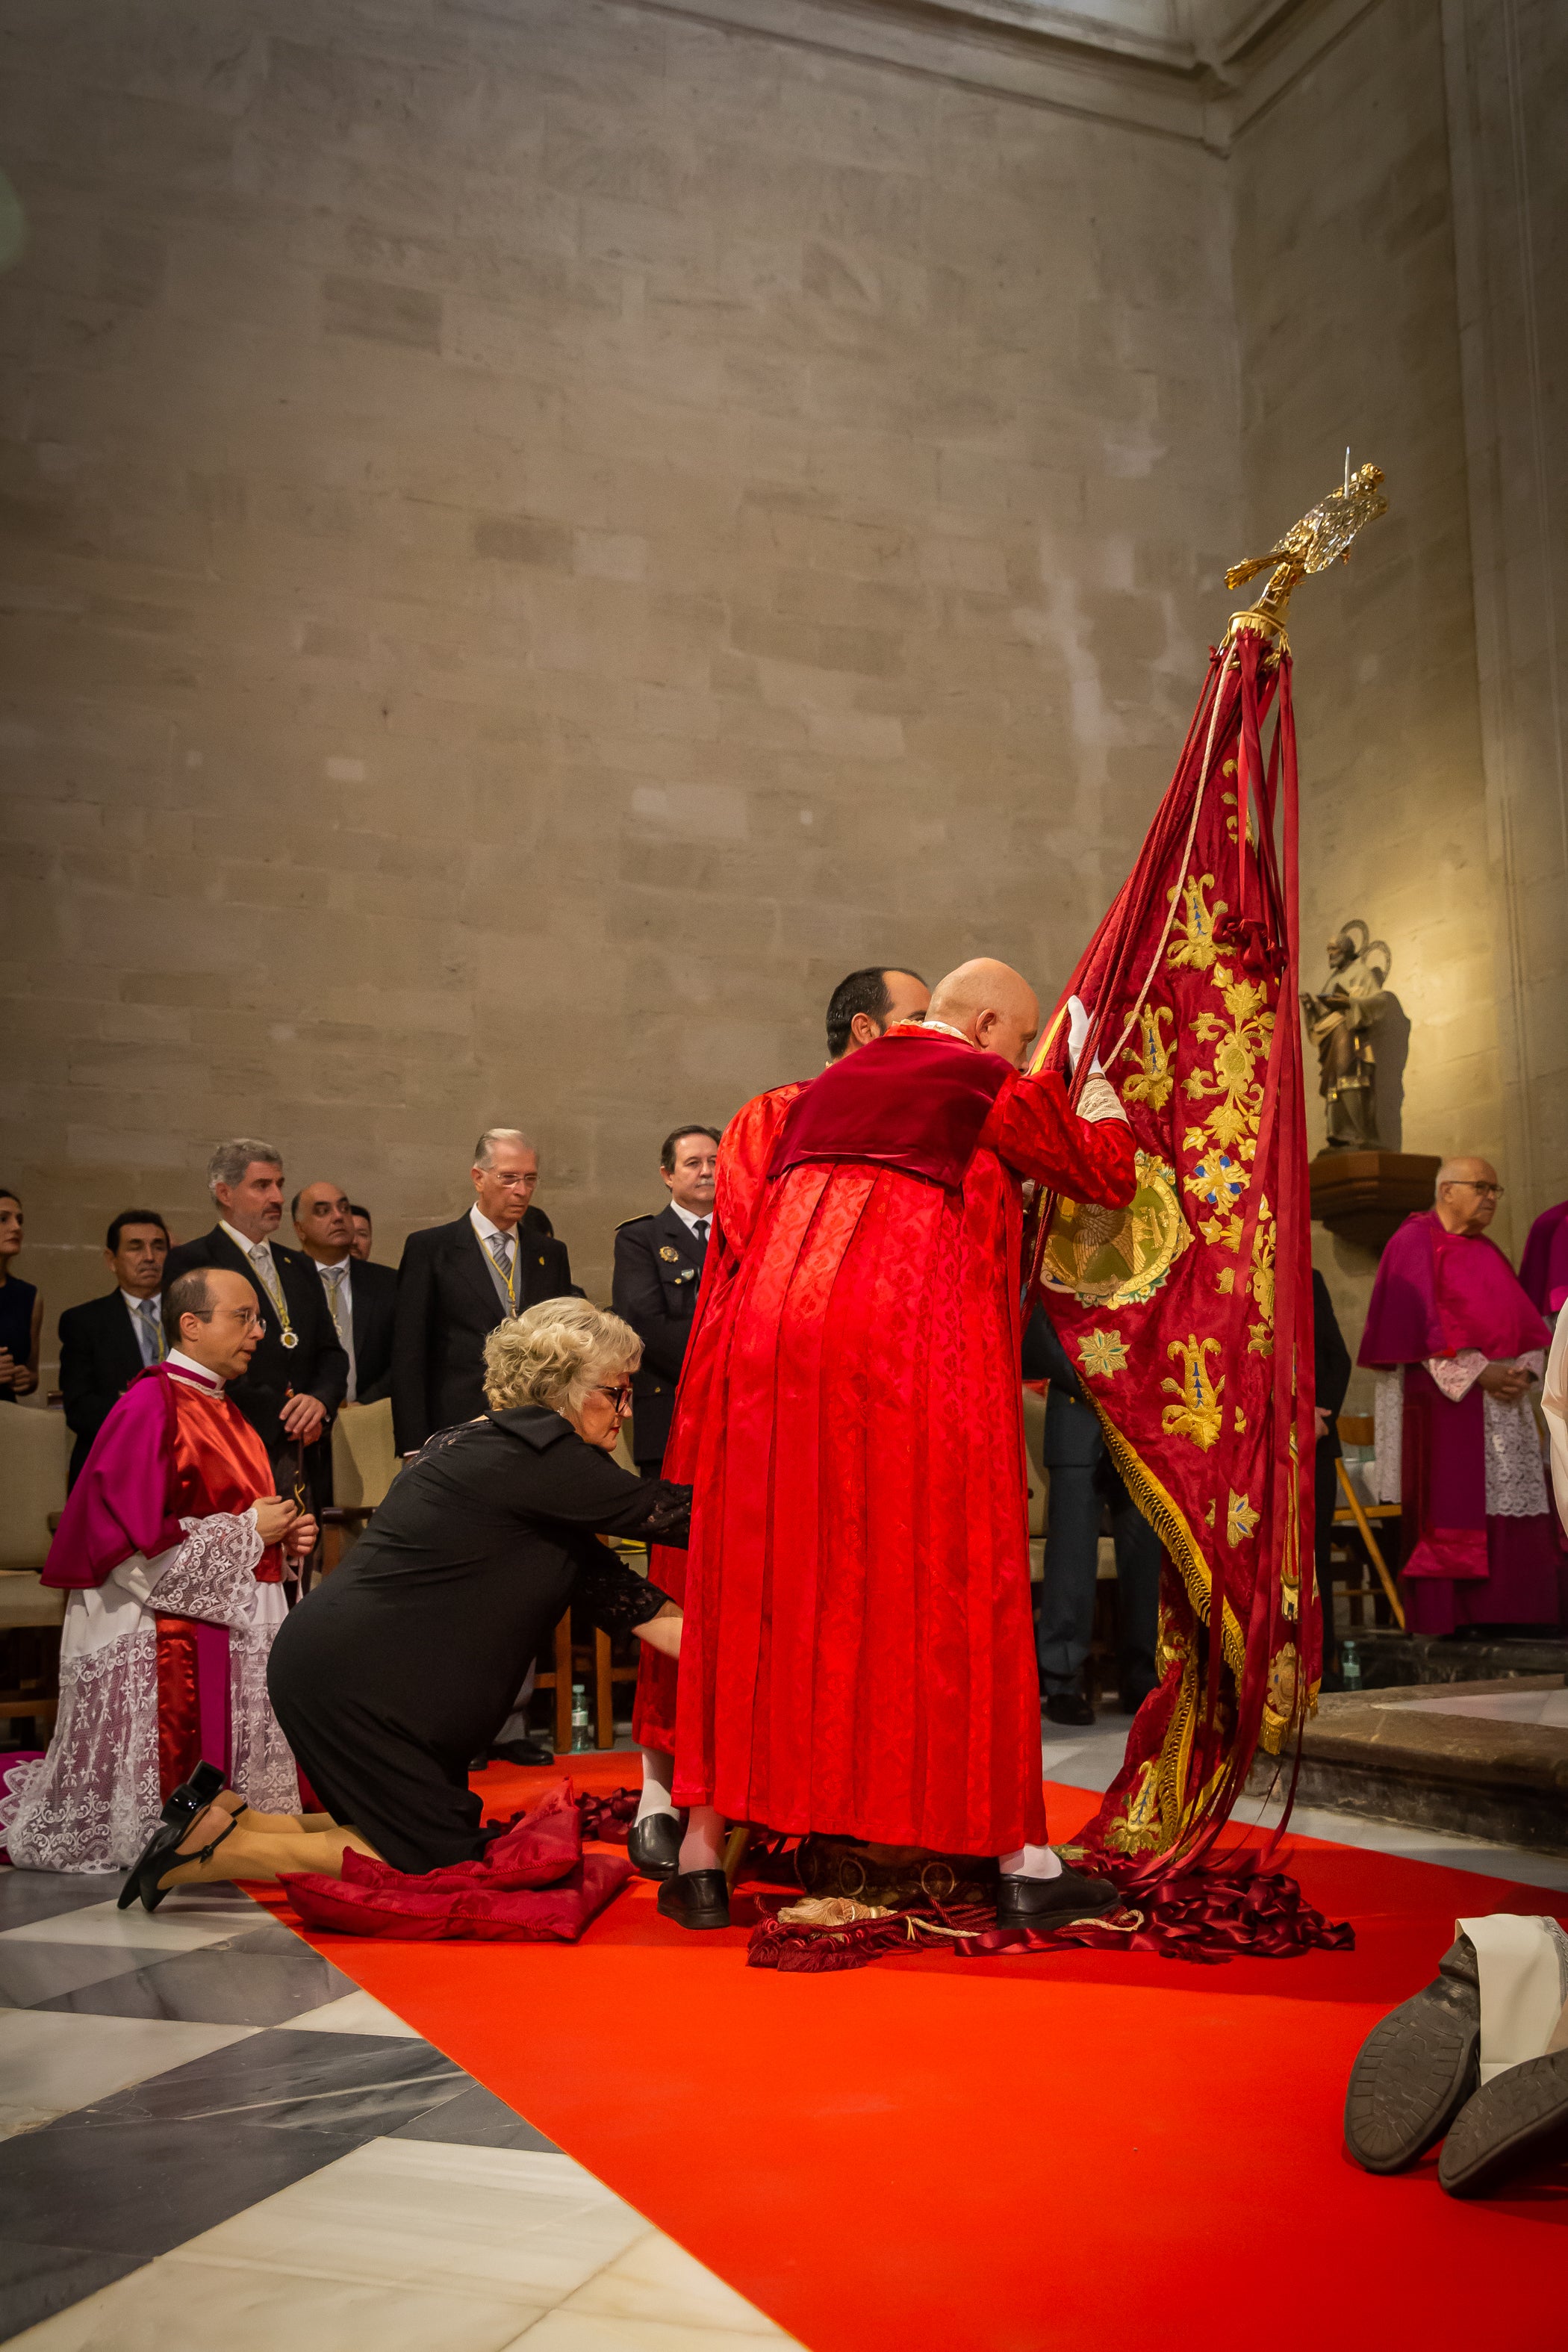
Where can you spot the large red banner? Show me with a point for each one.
(1189, 1314)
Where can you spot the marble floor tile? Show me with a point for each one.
(353, 2013)
(177, 2304)
(477, 2118)
(282, 2081)
(141, 2188)
(656, 2279)
(37, 2280)
(581, 2331)
(31, 1974)
(223, 1984)
(52, 2066)
(507, 2223)
(175, 1927)
(37, 1893)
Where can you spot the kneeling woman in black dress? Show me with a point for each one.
(406, 1663)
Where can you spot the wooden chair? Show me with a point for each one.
(1366, 1519)
(366, 1461)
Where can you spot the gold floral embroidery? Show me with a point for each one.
(1192, 939)
(1242, 1042)
(1152, 1055)
(1102, 1354)
(1196, 1413)
(1240, 1520)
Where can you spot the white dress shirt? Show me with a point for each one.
(693, 1218)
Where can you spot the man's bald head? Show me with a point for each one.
(1466, 1194)
(324, 1222)
(991, 1004)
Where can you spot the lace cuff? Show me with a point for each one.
(1457, 1375)
(1099, 1100)
(212, 1574)
(615, 1596)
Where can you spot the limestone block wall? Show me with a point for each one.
(540, 535)
(1347, 321)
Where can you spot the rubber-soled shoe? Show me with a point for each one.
(654, 1845)
(520, 1751)
(1053, 1902)
(1416, 2068)
(1519, 2118)
(696, 1899)
(1068, 1707)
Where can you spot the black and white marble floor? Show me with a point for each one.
(209, 2138)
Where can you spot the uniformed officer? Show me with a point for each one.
(658, 1265)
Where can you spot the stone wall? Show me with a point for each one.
(540, 535)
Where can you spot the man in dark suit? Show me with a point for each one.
(105, 1342)
(658, 1265)
(1083, 1479)
(457, 1282)
(300, 1373)
(361, 1296)
(1331, 1377)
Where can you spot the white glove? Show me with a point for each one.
(1078, 1031)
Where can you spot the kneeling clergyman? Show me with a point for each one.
(172, 1549)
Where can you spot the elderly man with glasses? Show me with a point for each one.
(1457, 1346)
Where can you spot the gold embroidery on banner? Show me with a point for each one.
(1152, 1056)
(1193, 940)
(1102, 1354)
(1118, 1257)
(1196, 1413)
(1232, 1084)
(1240, 1521)
(1170, 1524)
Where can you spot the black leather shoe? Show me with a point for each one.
(180, 1807)
(1519, 2118)
(1416, 2068)
(654, 1845)
(1053, 1902)
(1068, 1707)
(696, 1899)
(161, 1854)
(520, 1751)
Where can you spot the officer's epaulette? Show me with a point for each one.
(646, 1218)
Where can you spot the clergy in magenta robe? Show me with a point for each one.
(857, 1654)
(173, 1602)
(1543, 1268)
(748, 1146)
(1464, 1466)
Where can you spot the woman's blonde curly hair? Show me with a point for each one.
(554, 1353)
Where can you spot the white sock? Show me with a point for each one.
(657, 1774)
(1031, 1861)
(702, 1847)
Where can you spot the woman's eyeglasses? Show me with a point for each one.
(620, 1398)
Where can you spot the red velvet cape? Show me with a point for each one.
(857, 1654)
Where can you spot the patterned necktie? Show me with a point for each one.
(261, 1259)
(500, 1250)
(151, 1334)
(333, 1277)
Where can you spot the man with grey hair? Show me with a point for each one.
(299, 1375)
(458, 1281)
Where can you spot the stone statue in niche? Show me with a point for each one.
(1342, 1022)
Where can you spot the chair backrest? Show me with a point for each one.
(35, 1449)
(1034, 1459)
(364, 1454)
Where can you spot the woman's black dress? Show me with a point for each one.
(399, 1668)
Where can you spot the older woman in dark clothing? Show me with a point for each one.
(405, 1662)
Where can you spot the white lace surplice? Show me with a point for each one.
(1516, 1476)
(93, 1802)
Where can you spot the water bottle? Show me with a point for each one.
(582, 1736)
(1350, 1666)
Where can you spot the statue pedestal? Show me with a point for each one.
(1364, 1195)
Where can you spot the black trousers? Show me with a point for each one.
(1064, 1609)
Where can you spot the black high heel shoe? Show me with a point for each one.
(183, 1806)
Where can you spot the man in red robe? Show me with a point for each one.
(857, 1656)
(863, 1007)
(170, 1549)
(1457, 1346)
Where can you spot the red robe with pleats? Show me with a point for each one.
(748, 1146)
(857, 1655)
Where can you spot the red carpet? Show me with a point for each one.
(1071, 2153)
